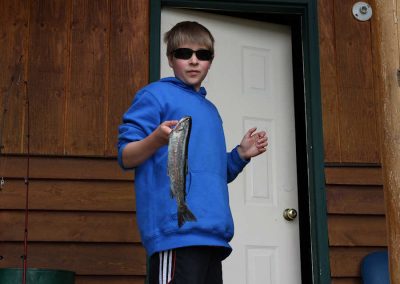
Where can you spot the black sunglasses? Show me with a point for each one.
(186, 53)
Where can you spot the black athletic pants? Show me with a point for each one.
(188, 265)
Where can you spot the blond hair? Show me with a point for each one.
(188, 32)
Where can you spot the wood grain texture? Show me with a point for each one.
(357, 230)
(387, 41)
(358, 120)
(48, 73)
(129, 56)
(13, 49)
(353, 46)
(69, 195)
(93, 227)
(63, 168)
(357, 106)
(83, 61)
(353, 175)
(82, 258)
(86, 102)
(329, 82)
(350, 199)
(346, 262)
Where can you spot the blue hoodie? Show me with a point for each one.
(210, 169)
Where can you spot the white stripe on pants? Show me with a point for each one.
(165, 266)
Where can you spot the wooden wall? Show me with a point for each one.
(82, 61)
(351, 122)
(82, 218)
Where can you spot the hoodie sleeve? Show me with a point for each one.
(141, 119)
(235, 164)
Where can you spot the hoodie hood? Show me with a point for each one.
(179, 83)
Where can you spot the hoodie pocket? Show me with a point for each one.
(208, 199)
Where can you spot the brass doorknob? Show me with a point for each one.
(290, 214)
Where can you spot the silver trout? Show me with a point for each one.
(178, 167)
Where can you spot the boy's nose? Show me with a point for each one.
(193, 59)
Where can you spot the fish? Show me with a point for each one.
(178, 167)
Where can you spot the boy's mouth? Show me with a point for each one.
(193, 72)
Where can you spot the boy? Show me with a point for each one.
(193, 253)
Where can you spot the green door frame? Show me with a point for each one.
(301, 15)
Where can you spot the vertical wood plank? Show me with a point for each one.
(388, 52)
(129, 57)
(13, 57)
(353, 40)
(359, 133)
(329, 88)
(48, 59)
(85, 113)
(357, 106)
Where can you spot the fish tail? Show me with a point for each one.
(185, 215)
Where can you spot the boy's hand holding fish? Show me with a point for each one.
(163, 130)
(137, 152)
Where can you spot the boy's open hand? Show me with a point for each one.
(253, 144)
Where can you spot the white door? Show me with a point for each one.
(250, 81)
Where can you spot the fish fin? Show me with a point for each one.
(185, 215)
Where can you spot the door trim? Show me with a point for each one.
(301, 16)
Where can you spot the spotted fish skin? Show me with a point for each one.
(178, 167)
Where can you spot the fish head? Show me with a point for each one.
(183, 124)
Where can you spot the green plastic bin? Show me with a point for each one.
(36, 276)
